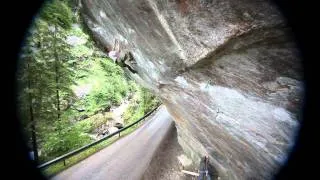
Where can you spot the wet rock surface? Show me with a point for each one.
(228, 72)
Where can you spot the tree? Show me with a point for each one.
(45, 72)
(59, 18)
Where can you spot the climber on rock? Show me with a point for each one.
(123, 59)
(114, 53)
(126, 60)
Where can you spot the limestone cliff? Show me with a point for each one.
(227, 70)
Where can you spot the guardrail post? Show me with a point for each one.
(119, 134)
(64, 162)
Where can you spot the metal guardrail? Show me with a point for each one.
(74, 152)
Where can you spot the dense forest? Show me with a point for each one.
(68, 89)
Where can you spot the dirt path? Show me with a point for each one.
(126, 159)
(165, 164)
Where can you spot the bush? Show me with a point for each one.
(143, 102)
(149, 101)
(108, 85)
(63, 141)
(85, 126)
(93, 122)
(99, 119)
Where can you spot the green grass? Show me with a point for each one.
(58, 167)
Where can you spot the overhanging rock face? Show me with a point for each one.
(228, 71)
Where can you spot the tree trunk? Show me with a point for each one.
(33, 125)
(57, 90)
(56, 72)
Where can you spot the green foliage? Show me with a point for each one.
(51, 70)
(45, 75)
(93, 122)
(107, 82)
(57, 12)
(81, 51)
(143, 102)
(86, 126)
(149, 101)
(69, 138)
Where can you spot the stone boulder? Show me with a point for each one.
(228, 71)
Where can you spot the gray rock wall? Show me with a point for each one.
(227, 70)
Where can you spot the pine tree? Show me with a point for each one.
(46, 73)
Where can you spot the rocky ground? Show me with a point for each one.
(117, 113)
(166, 165)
